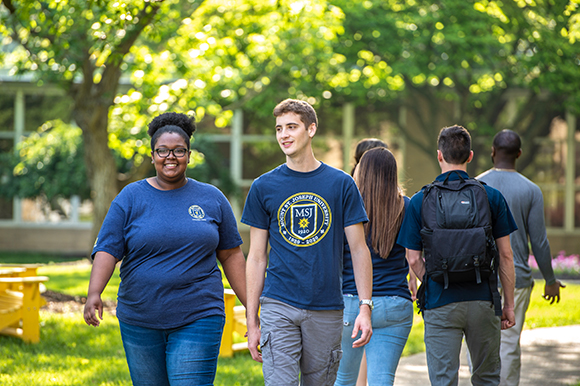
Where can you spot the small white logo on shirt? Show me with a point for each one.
(196, 212)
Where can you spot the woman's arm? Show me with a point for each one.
(234, 265)
(103, 268)
(416, 262)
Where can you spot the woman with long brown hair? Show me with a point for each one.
(392, 317)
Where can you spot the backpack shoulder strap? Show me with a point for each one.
(426, 191)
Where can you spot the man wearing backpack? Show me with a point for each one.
(459, 297)
(527, 205)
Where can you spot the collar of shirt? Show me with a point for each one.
(453, 176)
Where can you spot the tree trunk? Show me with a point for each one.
(92, 117)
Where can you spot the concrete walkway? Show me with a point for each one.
(550, 357)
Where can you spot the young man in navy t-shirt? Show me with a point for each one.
(303, 209)
(464, 308)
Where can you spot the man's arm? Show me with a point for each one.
(508, 280)
(363, 276)
(255, 275)
(541, 249)
(415, 259)
(412, 284)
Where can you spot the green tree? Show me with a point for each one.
(84, 47)
(47, 166)
(207, 57)
(487, 65)
(241, 54)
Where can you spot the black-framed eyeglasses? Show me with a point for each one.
(164, 153)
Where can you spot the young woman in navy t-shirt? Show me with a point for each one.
(392, 316)
(168, 231)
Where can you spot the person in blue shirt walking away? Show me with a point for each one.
(169, 231)
(303, 209)
(392, 317)
(454, 309)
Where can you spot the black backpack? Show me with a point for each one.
(457, 233)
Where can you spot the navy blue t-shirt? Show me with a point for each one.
(167, 241)
(503, 224)
(305, 215)
(389, 275)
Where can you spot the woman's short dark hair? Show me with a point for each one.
(178, 123)
(302, 108)
(454, 142)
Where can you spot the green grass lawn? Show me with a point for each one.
(74, 279)
(33, 258)
(72, 353)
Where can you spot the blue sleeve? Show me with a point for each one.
(255, 214)
(410, 233)
(111, 238)
(354, 208)
(503, 222)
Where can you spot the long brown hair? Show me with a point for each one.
(376, 178)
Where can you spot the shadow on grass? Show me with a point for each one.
(35, 258)
(69, 353)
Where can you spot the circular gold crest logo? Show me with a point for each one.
(304, 219)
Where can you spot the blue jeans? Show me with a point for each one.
(186, 355)
(392, 320)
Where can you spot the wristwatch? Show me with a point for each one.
(368, 302)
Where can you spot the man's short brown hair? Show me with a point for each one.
(302, 108)
(454, 142)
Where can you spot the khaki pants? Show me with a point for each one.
(510, 351)
(445, 328)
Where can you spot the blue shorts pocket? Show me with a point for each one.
(391, 310)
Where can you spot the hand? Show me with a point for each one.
(552, 292)
(508, 318)
(254, 335)
(362, 324)
(93, 303)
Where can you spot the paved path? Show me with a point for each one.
(550, 357)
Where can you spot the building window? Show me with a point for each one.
(32, 111)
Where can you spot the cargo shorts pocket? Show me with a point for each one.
(267, 356)
(335, 357)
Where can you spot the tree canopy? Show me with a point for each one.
(488, 65)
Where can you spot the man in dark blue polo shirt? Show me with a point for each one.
(465, 308)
